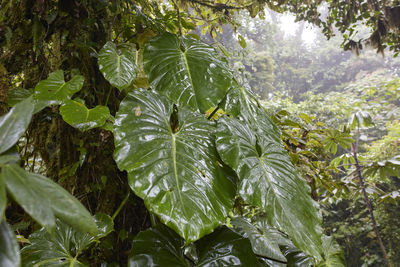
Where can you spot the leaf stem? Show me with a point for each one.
(153, 220)
(108, 96)
(213, 113)
(121, 206)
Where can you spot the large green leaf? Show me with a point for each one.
(263, 239)
(231, 102)
(16, 95)
(333, 254)
(64, 247)
(158, 247)
(251, 145)
(43, 199)
(8, 158)
(28, 195)
(54, 90)
(14, 123)
(3, 197)
(79, 116)
(187, 71)
(161, 247)
(296, 257)
(117, 64)
(225, 248)
(172, 163)
(293, 256)
(64, 205)
(9, 249)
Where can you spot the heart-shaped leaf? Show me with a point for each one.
(64, 247)
(161, 247)
(54, 90)
(187, 71)
(225, 248)
(43, 199)
(9, 249)
(79, 116)
(172, 163)
(263, 240)
(14, 123)
(268, 179)
(296, 257)
(158, 247)
(117, 64)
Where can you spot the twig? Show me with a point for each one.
(121, 205)
(218, 6)
(108, 96)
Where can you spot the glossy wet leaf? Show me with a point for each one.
(297, 258)
(157, 247)
(79, 116)
(54, 90)
(278, 237)
(231, 102)
(263, 240)
(44, 199)
(293, 256)
(333, 254)
(161, 247)
(14, 123)
(187, 71)
(64, 247)
(3, 197)
(225, 248)
(241, 101)
(251, 146)
(9, 249)
(64, 205)
(117, 64)
(174, 165)
(28, 195)
(14, 96)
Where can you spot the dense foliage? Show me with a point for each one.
(380, 17)
(125, 139)
(319, 150)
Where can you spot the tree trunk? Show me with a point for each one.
(368, 203)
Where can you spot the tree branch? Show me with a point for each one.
(218, 6)
(179, 17)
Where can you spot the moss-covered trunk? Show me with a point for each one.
(65, 35)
